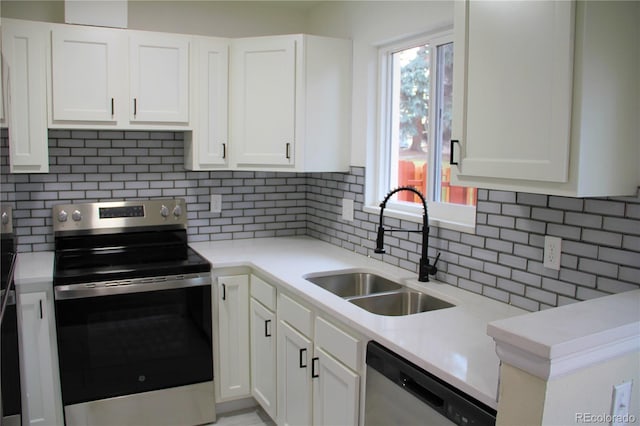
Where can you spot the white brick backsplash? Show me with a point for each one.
(501, 260)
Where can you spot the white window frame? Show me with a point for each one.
(445, 215)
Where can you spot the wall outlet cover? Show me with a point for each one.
(216, 203)
(620, 405)
(552, 252)
(347, 209)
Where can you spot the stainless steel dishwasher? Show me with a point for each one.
(400, 393)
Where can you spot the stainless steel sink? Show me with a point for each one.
(400, 303)
(352, 284)
(377, 294)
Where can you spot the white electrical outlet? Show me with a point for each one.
(620, 405)
(347, 209)
(552, 252)
(216, 203)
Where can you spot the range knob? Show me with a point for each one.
(177, 211)
(62, 216)
(164, 211)
(76, 215)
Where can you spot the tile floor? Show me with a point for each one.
(250, 417)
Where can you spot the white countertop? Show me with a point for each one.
(450, 343)
(33, 269)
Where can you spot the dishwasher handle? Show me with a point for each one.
(421, 392)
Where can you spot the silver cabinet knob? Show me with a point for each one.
(164, 211)
(177, 211)
(76, 215)
(62, 216)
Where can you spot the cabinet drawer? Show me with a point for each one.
(338, 343)
(263, 292)
(295, 314)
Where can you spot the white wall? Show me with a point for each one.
(370, 24)
(528, 400)
(219, 18)
(214, 18)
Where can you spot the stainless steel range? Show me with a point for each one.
(133, 315)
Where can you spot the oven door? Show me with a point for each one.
(135, 344)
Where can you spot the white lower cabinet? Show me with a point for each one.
(233, 378)
(40, 379)
(263, 356)
(295, 386)
(317, 385)
(335, 391)
(300, 367)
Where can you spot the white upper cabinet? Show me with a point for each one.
(263, 100)
(87, 74)
(24, 46)
(111, 78)
(545, 96)
(207, 146)
(290, 103)
(3, 73)
(518, 88)
(159, 77)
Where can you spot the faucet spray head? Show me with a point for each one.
(380, 241)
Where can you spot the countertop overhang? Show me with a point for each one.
(555, 342)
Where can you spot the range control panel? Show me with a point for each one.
(119, 215)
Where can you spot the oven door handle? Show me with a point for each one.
(137, 285)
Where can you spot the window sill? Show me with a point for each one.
(417, 218)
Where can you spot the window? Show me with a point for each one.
(415, 134)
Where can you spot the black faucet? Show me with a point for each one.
(425, 269)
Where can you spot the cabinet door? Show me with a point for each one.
(263, 357)
(263, 100)
(294, 377)
(233, 329)
(3, 73)
(159, 67)
(85, 70)
(336, 391)
(24, 49)
(209, 140)
(38, 370)
(513, 88)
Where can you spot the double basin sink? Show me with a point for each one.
(377, 294)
